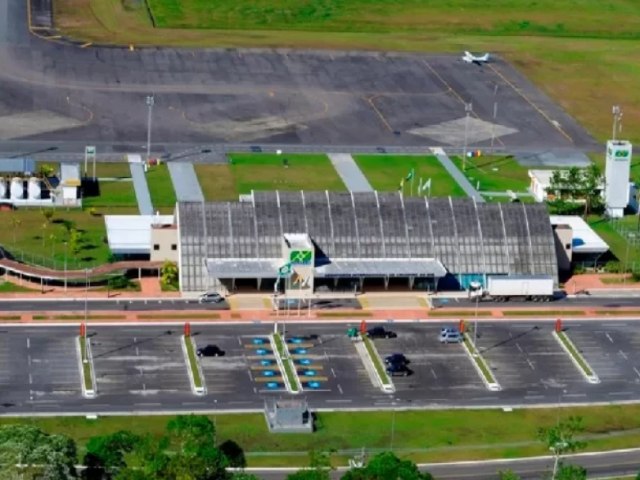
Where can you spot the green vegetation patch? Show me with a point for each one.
(160, 186)
(266, 171)
(179, 316)
(459, 313)
(113, 193)
(495, 173)
(344, 314)
(86, 364)
(111, 170)
(618, 245)
(9, 287)
(193, 361)
(385, 173)
(375, 359)
(289, 370)
(577, 356)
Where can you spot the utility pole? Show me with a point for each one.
(468, 108)
(150, 103)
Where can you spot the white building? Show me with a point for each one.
(617, 171)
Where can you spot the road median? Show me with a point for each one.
(576, 357)
(194, 370)
(89, 389)
(373, 363)
(480, 364)
(285, 363)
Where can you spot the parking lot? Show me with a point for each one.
(38, 366)
(526, 358)
(438, 371)
(613, 352)
(139, 361)
(228, 375)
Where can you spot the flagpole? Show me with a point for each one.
(413, 176)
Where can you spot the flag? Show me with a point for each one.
(410, 175)
(426, 185)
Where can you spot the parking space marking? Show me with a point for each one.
(637, 371)
(623, 355)
(608, 336)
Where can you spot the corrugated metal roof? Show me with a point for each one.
(131, 234)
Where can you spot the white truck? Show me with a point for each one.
(536, 288)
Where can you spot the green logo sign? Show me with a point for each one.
(300, 257)
(622, 153)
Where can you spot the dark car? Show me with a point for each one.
(210, 351)
(398, 370)
(380, 332)
(396, 359)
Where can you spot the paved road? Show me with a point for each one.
(141, 368)
(350, 173)
(599, 465)
(51, 94)
(457, 175)
(191, 304)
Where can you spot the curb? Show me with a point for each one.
(492, 386)
(370, 367)
(87, 393)
(280, 361)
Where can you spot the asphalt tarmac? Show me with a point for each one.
(52, 94)
(141, 368)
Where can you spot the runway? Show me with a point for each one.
(56, 97)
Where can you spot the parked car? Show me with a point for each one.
(210, 351)
(398, 370)
(450, 337)
(449, 330)
(396, 358)
(380, 332)
(211, 297)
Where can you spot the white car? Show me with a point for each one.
(211, 297)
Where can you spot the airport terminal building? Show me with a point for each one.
(303, 242)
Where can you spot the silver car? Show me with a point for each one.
(450, 337)
(211, 297)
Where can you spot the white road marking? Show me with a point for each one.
(339, 400)
(334, 373)
(623, 355)
(239, 341)
(434, 374)
(609, 337)
(636, 370)
(519, 347)
(30, 379)
(620, 393)
(340, 389)
(28, 342)
(29, 360)
(531, 364)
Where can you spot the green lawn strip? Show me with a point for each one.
(619, 280)
(618, 312)
(541, 313)
(344, 314)
(179, 316)
(617, 243)
(86, 364)
(82, 317)
(495, 173)
(10, 287)
(10, 317)
(111, 170)
(160, 186)
(112, 194)
(385, 172)
(216, 182)
(458, 313)
(289, 370)
(479, 361)
(193, 361)
(375, 359)
(434, 435)
(573, 351)
(264, 171)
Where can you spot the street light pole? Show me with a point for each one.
(150, 103)
(475, 324)
(468, 108)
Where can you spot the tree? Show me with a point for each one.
(561, 439)
(386, 466)
(106, 453)
(571, 472)
(27, 451)
(243, 476)
(169, 274)
(75, 237)
(571, 186)
(233, 453)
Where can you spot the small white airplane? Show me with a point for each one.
(478, 60)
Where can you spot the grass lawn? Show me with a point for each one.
(111, 170)
(113, 194)
(495, 173)
(86, 365)
(161, 187)
(193, 361)
(375, 359)
(25, 238)
(9, 287)
(577, 356)
(617, 243)
(436, 435)
(262, 171)
(384, 173)
(289, 370)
